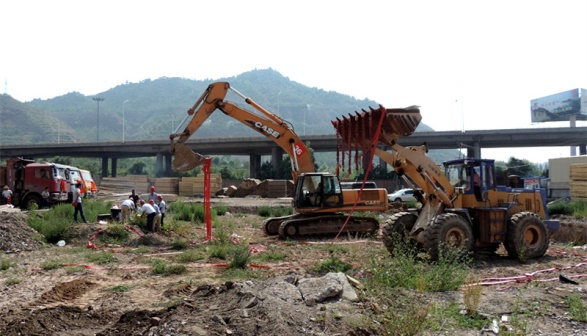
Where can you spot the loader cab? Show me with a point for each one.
(475, 176)
(317, 190)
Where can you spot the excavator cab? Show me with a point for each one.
(318, 190)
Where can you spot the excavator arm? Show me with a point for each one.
(266, 123)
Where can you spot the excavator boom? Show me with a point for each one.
(264, 122)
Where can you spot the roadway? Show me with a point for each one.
(474, 141)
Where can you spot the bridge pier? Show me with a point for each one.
(104, 167)
(276, 159)
(114, 165)
(168, 164)
(474, 151)
(159, 164)
(254, 165)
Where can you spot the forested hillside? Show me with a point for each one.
(153, 109)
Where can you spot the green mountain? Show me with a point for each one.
(154, 108)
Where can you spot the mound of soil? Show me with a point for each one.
(15, 234)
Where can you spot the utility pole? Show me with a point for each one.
(98, 100)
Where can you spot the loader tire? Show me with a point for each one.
(396, 231)
(448, 231)
(526, 237)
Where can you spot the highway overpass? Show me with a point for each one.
(255, 147)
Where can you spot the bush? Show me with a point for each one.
(575, 208)
(114, 234)
(55, 224)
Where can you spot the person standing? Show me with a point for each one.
(157, 218)
(45, 194)
(161, 204)
(135, 199)
(77, 199)
(127, 206)
(152, 195)
(6, 195)
(148, 211)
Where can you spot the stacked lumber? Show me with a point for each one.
(116, 185)
(142, 183)
(578, 179)
(190, 186)
(166, 185)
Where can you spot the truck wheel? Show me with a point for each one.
(527, 236)
(396, 230)
(448, 231)
(30, 201)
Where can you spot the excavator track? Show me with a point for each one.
(326, 225)
(270, 226)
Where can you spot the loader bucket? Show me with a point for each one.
(359, 129)
(185, 159)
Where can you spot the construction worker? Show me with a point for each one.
(148, 211)
(77, 203)
(152, 194)
(157, 219)
(162, 207)
(6, 195)
(127, 206)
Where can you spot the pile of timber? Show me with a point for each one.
(166, 185)
(578, 179)
(190, 186)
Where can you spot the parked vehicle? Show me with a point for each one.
(402, 195)
(91, 190)
(27, 179)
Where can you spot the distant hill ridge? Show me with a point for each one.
(155, 107)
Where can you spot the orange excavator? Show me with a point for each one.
(320, 204)
(462, 204)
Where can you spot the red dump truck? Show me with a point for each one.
(27, 179)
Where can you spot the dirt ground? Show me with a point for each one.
(79, 297)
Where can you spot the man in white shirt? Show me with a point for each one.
(157, 219)
(162, 207)
(127, 206)
(147, 210)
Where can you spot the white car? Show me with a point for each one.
(402, 195)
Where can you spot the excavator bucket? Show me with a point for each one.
(185, 159)
(361, 131)
(361, 128)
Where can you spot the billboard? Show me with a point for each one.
(560, 106)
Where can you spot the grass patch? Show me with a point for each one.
(12, 281)
(120, 288)
(190, 256)
(5, 264)
(179, 244)
(267, 211)
(74, 269)
(578, 309)
(406, 270)
(48, 265)
(332, 264)
(575, 208)
(161, 267)
(190, 212)
(114, 234)
(102, 258)
(270, 256)
(240, 255)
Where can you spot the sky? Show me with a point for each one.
(469, 65)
